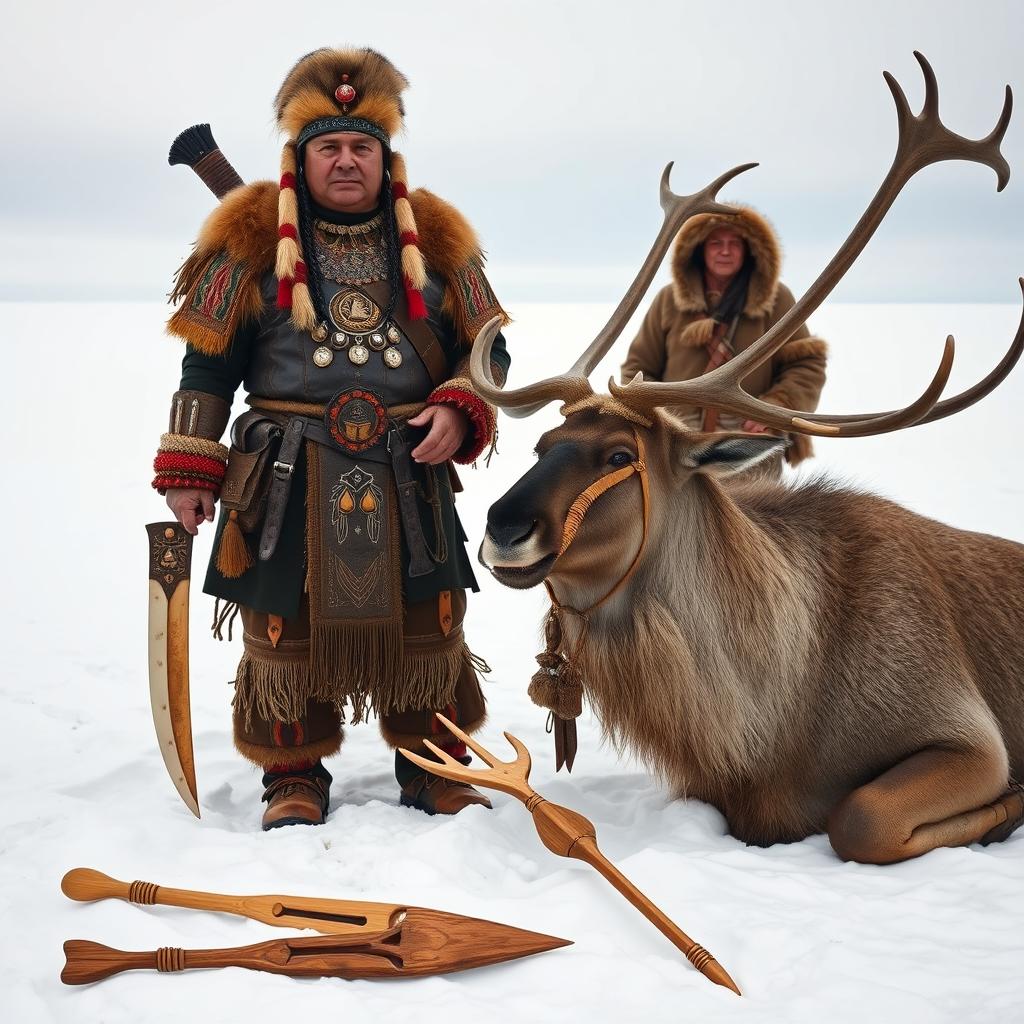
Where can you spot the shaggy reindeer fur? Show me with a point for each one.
(779, 648)
(817, 637)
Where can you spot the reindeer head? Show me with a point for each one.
(551, 521)
(623, 449)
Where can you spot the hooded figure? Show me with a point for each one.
(725, 294)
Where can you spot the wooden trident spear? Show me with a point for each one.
(563, 832)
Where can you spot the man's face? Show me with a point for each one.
(344, 171)
(724, 250)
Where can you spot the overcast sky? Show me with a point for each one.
(547, 123)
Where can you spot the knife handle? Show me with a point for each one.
(170, 555)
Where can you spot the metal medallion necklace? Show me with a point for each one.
(352, 255)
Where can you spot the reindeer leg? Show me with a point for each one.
(1013, 801)
(936, 797)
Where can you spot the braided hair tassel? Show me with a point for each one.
(414, 271)
(292, 278)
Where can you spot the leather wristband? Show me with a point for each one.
(190, 455)
(198, 414)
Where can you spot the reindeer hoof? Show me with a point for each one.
(1013, 801)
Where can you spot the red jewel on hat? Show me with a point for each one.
(344, 93)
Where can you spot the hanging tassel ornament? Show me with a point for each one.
(233, 555)
(414, 271)
(290, 267)
(557, 685)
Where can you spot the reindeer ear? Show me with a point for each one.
(727, 453)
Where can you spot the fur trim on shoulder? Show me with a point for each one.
(245, 224)
(801, 348)
(688, 287)
(698, 333)
(446, 237)
(451, 248)
(218, 286)
(779, 395)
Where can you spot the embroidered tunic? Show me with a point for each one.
(275, 361)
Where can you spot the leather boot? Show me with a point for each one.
(432, 794)
(296, 798)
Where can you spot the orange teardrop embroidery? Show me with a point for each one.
(368, 503)
(346, 502)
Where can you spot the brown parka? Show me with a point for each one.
(793, 377)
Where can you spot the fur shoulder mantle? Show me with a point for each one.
(218, 287)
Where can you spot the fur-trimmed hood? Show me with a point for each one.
(688, 284)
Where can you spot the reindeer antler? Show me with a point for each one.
(949, 406)
(573, 385)
(923, 140)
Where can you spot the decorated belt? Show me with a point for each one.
(281, 405)
(355, 421)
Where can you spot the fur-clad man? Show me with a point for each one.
(725, 294)
(345, 305)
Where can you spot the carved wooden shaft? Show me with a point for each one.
(562, 831)
(322, 915)
(361, 940)
(569, 834)
(86, 885)
(89, 962)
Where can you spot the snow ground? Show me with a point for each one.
(807, 937)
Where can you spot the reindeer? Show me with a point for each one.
(805, 658)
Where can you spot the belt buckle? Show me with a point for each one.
(356, 419)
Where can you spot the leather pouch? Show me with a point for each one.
(255, 440)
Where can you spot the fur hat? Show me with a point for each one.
(340, 91)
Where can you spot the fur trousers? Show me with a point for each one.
(280, 722)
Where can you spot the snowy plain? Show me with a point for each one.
(807, 937)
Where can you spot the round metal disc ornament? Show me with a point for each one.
(319, 333)
(354, 311)
(376, 342)
(358, 354)
(356, 419)
(394, 335)
(339, 341)
(323, 356)
(393, 358)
